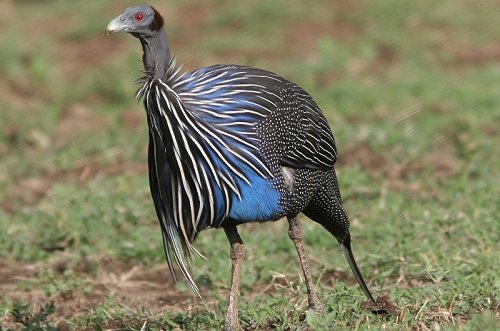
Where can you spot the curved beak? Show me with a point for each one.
(117, 25)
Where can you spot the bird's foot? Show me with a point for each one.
(316, 306)
(231, 324)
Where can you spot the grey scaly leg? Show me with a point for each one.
(295, 233)
(231, 323)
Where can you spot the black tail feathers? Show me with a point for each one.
(346, 248)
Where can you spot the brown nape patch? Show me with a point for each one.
(157, 23)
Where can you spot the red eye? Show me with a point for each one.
(139, 16)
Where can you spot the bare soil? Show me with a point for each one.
(131, 285)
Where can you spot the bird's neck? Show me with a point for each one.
(157, 58)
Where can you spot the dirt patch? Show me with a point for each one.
(198, 15)
(139, 286)
(12, 274)
(132, 118)
(23, 94)
(88, 55)
(41, 25)
(307, 34)
(382, 305)
(441, 162)
(30, 191)
(77, 119)
(186, 35)
(131, 285)
(331, 277)
(386, 57)
(7, 12)
(335, 25)
(364, 155)
(470, 54)
(491, 130)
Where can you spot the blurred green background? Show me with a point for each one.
(410, 88)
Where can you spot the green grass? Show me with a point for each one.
(410, 89)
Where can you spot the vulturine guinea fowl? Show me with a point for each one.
(229, 145)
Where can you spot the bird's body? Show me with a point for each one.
(229, 145)
(250, 141)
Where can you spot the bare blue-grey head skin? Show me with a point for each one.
(146, 24)
(137, 20)
(233, 144)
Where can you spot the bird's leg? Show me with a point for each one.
(231, 323)
(295, 233)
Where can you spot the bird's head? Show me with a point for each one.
(140, 21)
